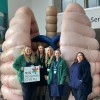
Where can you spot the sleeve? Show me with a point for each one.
(36, 63)
(64, 73)
(17, 63)
(85, 72)
(50, 73)
(45, 71)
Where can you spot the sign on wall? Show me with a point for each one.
(94, 16)
(31, 74)
(92, 13)
(3, 18)
(2, 26)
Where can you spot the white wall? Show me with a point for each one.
(13, 5)
(39, 9)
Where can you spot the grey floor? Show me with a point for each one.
(47, 97)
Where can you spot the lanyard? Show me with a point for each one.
(55, 67)
(56, 64)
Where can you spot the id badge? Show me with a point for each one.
(54, 71)
(48, 69)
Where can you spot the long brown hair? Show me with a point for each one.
(32, 56)
(84, 58)
(38, 52)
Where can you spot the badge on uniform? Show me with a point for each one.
(55, 71)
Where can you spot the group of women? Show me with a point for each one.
(54, 74)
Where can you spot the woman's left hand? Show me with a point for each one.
(46, 77)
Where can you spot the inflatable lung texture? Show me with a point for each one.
(51, 21)
(78, 36)
(22, 28)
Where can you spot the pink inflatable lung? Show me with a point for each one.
(77, 35)
(11, 94)
(23, 21)
(7, 68)
(22, 28)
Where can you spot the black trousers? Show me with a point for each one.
(27, 90)
(79, 94)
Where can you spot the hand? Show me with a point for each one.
(46, 77)
(48, 70)
(40, 66)
(80, 80)
(22, 68)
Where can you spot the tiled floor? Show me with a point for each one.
(97, 98)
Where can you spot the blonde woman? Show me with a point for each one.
(57, 77)
(49, 58)
(48, 61)
(26, 59)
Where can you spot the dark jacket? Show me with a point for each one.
(61, 72)
(48, 66)
(43, 70)
(80, 76)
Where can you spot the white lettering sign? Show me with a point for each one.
(94, 16)
(31, 74)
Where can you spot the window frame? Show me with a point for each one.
(86, 4)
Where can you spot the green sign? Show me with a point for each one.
(3, 18)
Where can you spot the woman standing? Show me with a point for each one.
(25, 60)
(41, 89)
(49, 58)
(80, 77)
(57, 77)
(48, 61)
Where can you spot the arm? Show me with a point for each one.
(64, 73)
(36, 63)
(17, 63)
(50, 74)
(84, 72)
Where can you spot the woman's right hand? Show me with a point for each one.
(22, 68)
(46, 77)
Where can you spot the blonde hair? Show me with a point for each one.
(47, 56)
(58, 50)
(32, 56)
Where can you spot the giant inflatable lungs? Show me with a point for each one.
(22, 28)
(77, 35)
(51, 21)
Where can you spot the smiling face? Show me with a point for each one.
(50, 51)
(57, 54)
(80, 57)
(28, 50)
(41, 49)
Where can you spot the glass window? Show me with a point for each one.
(92, 3)
(98, 2)
(58, 5)
(81, 2)
(62, 4)
(65, 3)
